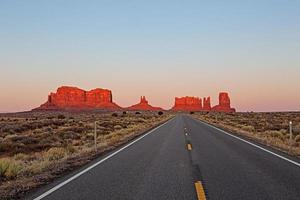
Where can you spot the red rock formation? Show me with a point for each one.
(75, 98)
(187, 104)
(143, 105)
(224, 103)
(206, 104)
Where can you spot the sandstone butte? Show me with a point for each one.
(224, 103)
(195, 104)
(187, 104)
(206, 104)
(143, 106)
(74, 98)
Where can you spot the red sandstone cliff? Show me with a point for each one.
(74, 98)
(224, 103)
(187, 104)
(143, 105)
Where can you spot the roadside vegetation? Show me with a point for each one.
(271, 129)
(37, 147)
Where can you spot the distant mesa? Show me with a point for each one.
(195, 104)
(187, 104)
(143, 106)
(70, 98)
(224, 103)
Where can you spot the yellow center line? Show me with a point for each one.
(200, 190)
(189, 146)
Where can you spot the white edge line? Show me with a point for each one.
(97, 163)
(261, 148)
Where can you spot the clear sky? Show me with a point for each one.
(160, 49)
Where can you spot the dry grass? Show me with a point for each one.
(268, 128)
(35, 147)
(9, 168)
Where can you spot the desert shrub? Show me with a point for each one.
(77, 143)
(70, 135)
(107, 124)
(71, 121)
(4, 164)
(90, 136)
(9, 168)
(38, 166)
(48, 129)
(13, 170)
(18, 138)
(20, 156)
(276, 134)
(296, 129)
(9, 130)
(283, 131)
(55, 153)
(192, 112)
(80, 123)
(118, 127)
(103, 130)
(115, 115)
(124, 112)
(37, 131)
(160, 113)
(248, 128)
(10, 137)
(61, 116)
(58, 122)
(297, 138)
(70, 149)
(115, 138)
(137, 113)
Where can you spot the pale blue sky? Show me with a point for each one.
(160, 49)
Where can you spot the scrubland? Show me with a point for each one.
(36, 147)
(271, 129)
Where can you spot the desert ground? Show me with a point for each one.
(269, 128)
(36, 147)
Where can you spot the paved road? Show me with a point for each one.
(161, 166)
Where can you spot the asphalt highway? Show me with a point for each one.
(182, 159)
